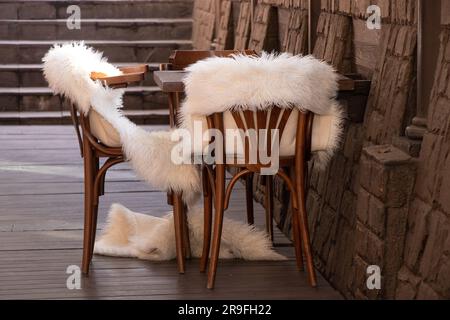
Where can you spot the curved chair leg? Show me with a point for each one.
(295, 223)
(102, 185)
(95, 201)
(207, 220)
(269, 206)
(303, 221)
(218, 222)
(304, 232)
(88, 205)
(296, 232)
(93, 229)
(186, 240)
(178, 222)
(249, 198)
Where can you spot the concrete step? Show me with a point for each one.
(97, 29)
(30, 75)
(150, 117)
(40, 99)
(96, 9)
(31, 52)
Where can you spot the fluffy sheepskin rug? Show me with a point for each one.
(258, 83)
(67, 69)
(136, 235)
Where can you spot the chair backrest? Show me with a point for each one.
(131, 74)
(180, 59)
(271, 121)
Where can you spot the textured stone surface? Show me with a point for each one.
(203, 25)
(225, 32)
(243, 26)
(333, 36)
(374, 204)
(295, 39)
(393, 85)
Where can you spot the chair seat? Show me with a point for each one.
(322, 135)
(103, 130)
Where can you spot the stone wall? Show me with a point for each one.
(425, 271)
(379, 202)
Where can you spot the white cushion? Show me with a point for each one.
(103, 130)
(321, 134)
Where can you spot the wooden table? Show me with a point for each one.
(350, 86)
(172, 81)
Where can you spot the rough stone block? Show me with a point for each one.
(407, 285)
(444, 190)
(391, 174)
(426, 292)
(368, 245)
(443, 278)
(377, 216)
(394, 246)
(428, 174)
(438, 232)
(417, 232)
(362, 206)
(360, 279)
(347, 208)
(353, 143)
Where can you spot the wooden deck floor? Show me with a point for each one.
(41, 214)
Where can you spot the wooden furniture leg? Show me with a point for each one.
(178, 222)
(218, 222)
(269, 206)
(186, 241)
(249, 198)
(300, 168)
(88, 204)
(95, 202)
(207, 220)
(296, 233)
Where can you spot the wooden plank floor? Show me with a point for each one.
(41, 218)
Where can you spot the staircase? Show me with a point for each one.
(127, 31)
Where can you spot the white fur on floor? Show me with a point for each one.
(136, 235)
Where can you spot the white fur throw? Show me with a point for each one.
(136, 235)
(221, 84)
(67, 68)
(245, 82)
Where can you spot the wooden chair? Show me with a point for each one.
(214, 181)
(93, 150)
(179, 60)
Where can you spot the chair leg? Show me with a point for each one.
(303, 223)
(88, 205)
(304, 233)
(269, 206)
(186, 240)
(249, 198)
(218, 222)
(95, 203)
(207, 220)
(297, 239)
(102, 185)
(178, 222)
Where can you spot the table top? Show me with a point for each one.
(172, 81)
